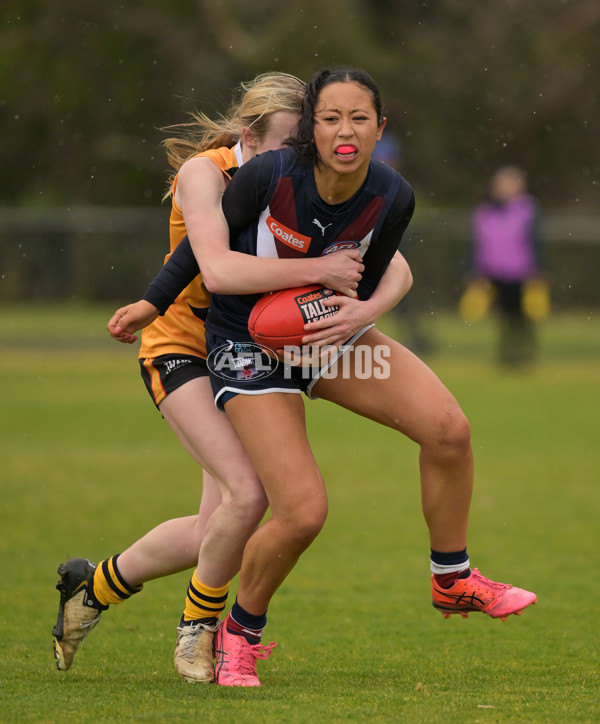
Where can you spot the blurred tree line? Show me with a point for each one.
(86, 87)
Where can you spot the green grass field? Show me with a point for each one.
(88, 466)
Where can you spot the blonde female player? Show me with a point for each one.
(172, 358)
(330, 178)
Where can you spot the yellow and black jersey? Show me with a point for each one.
(181, 329)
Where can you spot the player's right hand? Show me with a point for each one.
(128, 320)
(342, 271)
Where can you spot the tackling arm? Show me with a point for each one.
(230, 272)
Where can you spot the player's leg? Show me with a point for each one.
(510, 319)
(87, 590)
(411, 399)
(210, 439)
(404, 394)
(272, 428)
(174, 545)
(181, 388)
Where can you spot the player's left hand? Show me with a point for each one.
(128, 320)
(351, 317)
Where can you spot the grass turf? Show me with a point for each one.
(88, 466)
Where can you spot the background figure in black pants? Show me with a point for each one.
(506, 252)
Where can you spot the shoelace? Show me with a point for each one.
(189, 638)
(483, 581)
(263, 651)
(248, 653)
(89, 624)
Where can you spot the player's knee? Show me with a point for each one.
(452, 434)
(304, 532)
(248, 505)
(306, 523)
(255, 503)
(251, 508)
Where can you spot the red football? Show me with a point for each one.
(278, 318)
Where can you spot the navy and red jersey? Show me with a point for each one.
(273, 210)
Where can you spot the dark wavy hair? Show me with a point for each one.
(305, 138)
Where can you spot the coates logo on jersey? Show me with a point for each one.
(289, 237)
(339, 245)
(242, 361)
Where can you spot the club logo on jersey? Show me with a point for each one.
(289, 237)
(311, 305)
(339, 245)
(241, 361)
(316, 222)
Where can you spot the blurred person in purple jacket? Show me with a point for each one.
(507, 253)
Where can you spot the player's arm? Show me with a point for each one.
(200, 186)
(354, 314)
(225, 271)
(380, 253)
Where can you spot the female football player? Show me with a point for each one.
(329, 192)
(172, 358)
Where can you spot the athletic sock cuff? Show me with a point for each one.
(248, 620)
(454, 562)
(204, 601)
(109, 585)
(122, 581)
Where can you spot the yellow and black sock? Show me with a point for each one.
(109, 585)
(204, 602)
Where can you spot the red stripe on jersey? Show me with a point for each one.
(365, 221)
(283, 208)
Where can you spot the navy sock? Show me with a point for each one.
(455, 558)
(243, 623)
(448, 567)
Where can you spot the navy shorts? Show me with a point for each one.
(244, 368)
(167, 372)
